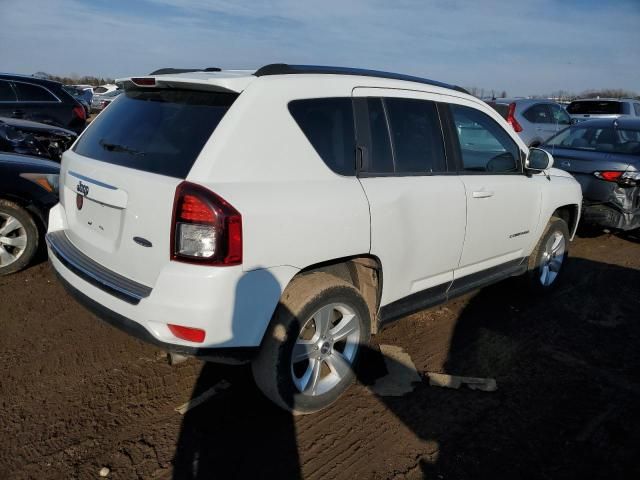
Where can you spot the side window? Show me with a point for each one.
(484, 145)
(416, 135)
(559, 115)
(6, 92)
(636, 107)
(380, 155)
(328, 125)
(28, 92)
(538, 113)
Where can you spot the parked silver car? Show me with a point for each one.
(590, 108)
(535, 120)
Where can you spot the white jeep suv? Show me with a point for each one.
(282, 216)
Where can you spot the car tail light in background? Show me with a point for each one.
(624, 179)
(79, 112)
(103, 104)
(511, 119)
(205, 228)
(187, 333)
(609, 176)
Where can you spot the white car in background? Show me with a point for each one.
(282, 216)
(106, 88)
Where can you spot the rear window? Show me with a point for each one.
(328, 125)
(155, 130)
(99, 90)
(594, 107)
(598, 139)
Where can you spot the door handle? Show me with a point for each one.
(482, 194)
(18, 113)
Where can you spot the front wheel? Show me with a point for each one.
(548, 259)
(310, 350)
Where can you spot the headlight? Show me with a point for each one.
(48, 181)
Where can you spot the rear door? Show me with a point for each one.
(503, 204)
(119, 181)
(417, 204)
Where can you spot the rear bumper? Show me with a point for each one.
(232, 306)
(135, 329)
(607, 216)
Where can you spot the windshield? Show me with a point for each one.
(598, 139)
(594, 107)
(156, 130)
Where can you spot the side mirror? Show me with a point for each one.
(538, 160)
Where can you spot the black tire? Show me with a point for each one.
(272, 368)
(537, 260)
(30, 228)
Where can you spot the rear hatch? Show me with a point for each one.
(119, 181)
(598, 146)
(582, 164)
(581, 110)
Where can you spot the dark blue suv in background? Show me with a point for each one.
(40, 100)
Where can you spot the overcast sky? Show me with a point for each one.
(523, 47)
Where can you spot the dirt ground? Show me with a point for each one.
(77, 395)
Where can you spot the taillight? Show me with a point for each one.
(79, 112)
(187, 333)
(609, 176)
(103, 104)
(511, 119)
(624, 179)
(205, 228)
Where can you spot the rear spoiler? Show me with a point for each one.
(209, 80)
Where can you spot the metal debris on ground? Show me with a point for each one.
(401, 376)
(455, 381)
(203, 397)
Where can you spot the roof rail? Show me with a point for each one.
(285, 69)
(167, 71)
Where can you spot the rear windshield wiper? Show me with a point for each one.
(114, 147)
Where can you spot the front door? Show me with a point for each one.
(503, 204)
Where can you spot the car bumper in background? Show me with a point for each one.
(608, 216)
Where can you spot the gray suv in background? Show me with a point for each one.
(588, 109)
(535, 120)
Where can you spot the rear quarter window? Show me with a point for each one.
(328, 125)
(155, 130)
(502, 109)
(6, 92)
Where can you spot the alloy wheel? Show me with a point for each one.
(325, 349)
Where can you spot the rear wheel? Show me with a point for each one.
(18, 237)
(309, 353)
(547, 261)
